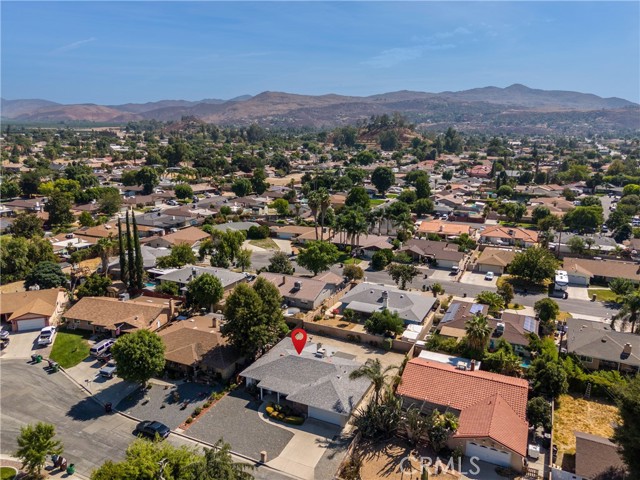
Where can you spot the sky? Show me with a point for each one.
(118, 52)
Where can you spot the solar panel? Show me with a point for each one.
(530, 324)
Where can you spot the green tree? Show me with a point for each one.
(280, 263)
(46, 275)
(514, 211)
(505, 191)
(383, 178)
(503, 360)
(423, 189)
(441, 427)
(183, 190)
(243, 259)
(138, 261)
(204, 291)
(540, 212)
(505, 290)
(140, 356)
(180, 255)
(465, 243)
(58, 207)
(577, 245)
(548, 377)
(493, 299)
(621, 286)
(86, 220)
(254, 317)
(402, 274)
(627, 433)
(27, 225)
(109, 201)
(372, 370)
(546, 309)
(148, 178)
(259, 181)
(539, 413)
(629, 313)
(124, 267)
(381, 259)
(94, 286)
(535, 265)
(9, 189)
(352, 272)
(104, 248)
(35, 443)
(227, 245)
(241, 187)
(447, 175)
(478, 330)
(584, 218)
(219, 465)
(384, 323)
(358, 197)
(281, 206)
(318, 256)
(168, 288)
(423, 206)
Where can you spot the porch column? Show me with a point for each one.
(260, 393)
(278, 395)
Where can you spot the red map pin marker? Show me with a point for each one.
(299, 339)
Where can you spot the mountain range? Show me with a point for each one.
(503, 108)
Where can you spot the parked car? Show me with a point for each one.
(150, 428)
(173, 203)
(455, 270)
(46, 336)
(109, 370)
(489, 276)
(4, 334)
(4, 343)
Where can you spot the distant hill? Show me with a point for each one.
(514, 108)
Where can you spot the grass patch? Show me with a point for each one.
(7, 473)
(519, 285)
(564, 316)
(265, 243)
(589, 416)
(515, 306)
(376, 201)
(603, 295)
(70, 347)
(392, 195)
(348, 259)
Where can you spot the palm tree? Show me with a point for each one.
(218, 463)
(314, 205)
(629, 313)
(104, 248)
(478, 331)
(372, 369)
(324, 202)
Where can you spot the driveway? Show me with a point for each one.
(361, 352)
(578, 293)
(441, 275)
(235, 418)
(23, 345)
(473, 278)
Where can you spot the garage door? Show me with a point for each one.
(488, 454)
(483, 268)
(578, 280)
(325, 416)
(32, 324)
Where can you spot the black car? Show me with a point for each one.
(150, 428)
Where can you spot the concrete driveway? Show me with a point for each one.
(578, 293)
(23, 345)
(473, 278)
(441, 274)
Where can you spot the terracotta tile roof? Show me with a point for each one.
(493, 417)
(41, 302)
(444, 228)
(110, 312)
(498, 231)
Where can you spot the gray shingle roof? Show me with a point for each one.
(184, 275)
(597, 340)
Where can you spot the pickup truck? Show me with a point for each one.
(109, 370)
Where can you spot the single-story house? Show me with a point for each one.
(441, 254)
(596, 455)
(368, 298)
(242, 226)
(160, 220)
(291, 232)
(316, 383)
(105, 314)
(33, 309)
(184, 275)
(444, 229)
(495, 260)
(196, 347)
(599, 243)
(192, 236)
(491, 408)
(303, 293)
(600, 347)
(582, 271)
(499, 235)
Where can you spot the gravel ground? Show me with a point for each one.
(172, 415)
(235, 418)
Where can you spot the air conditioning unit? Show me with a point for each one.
(500, 328)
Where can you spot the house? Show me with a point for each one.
(368, 298)
(33, 309)
(446, 230)
(192, 236)
(495, 260)
(441, 254)
(582, 271)
(104, 314)
(316, 383)
(184, 275)
(195, 347)
(367, 245)
(291, 232)
(593, 243)
(499, 235)
(596, 455)
(600, 347)
(303, 293)
(480, 171)
(491, 408)
(235, 226)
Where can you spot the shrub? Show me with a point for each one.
(387, 344)
(189, 420)
(206, 404)
(197, 411)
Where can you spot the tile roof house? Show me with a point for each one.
(495, 260)
(444, 254)
(600, 347)
(196, 347)
(595, 455)
(33, 309)
(368, 298)
(491, 408)
(581, 271)
(104, 314)
(303, 293)
(316, 383)
(192, 236)
(444, 229)
(499, 235)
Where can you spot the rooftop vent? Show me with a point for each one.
(297, 285)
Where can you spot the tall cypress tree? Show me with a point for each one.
(124, 273)
(139, 264)
(130, 258)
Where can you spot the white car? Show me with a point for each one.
(46, 336)
(489, 276)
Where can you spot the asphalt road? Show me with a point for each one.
(90, 437)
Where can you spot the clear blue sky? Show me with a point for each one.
(117, 52)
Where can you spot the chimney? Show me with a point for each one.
(627, 349)
(385, 299)
(473, 365)
(194, 272)
(511, 232)
(297, 285)
(214, 322)
(441, 229)
(172, 308)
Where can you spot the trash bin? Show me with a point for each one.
(55, 367)
(38, 358)
(71, 469)
(34, 357)
(108, 407)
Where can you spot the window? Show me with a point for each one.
(586, 359)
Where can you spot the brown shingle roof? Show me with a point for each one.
(496, 256)
(595, 454)
(41, 302)
(110, 312)
(603, 268)
(189, 235)
(309, 287)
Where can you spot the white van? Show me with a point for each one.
(102, 347)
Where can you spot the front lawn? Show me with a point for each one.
(348, 259)
(602, 295)
(70, 347)
(376, 201)
(265, 243)
(7, 473)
